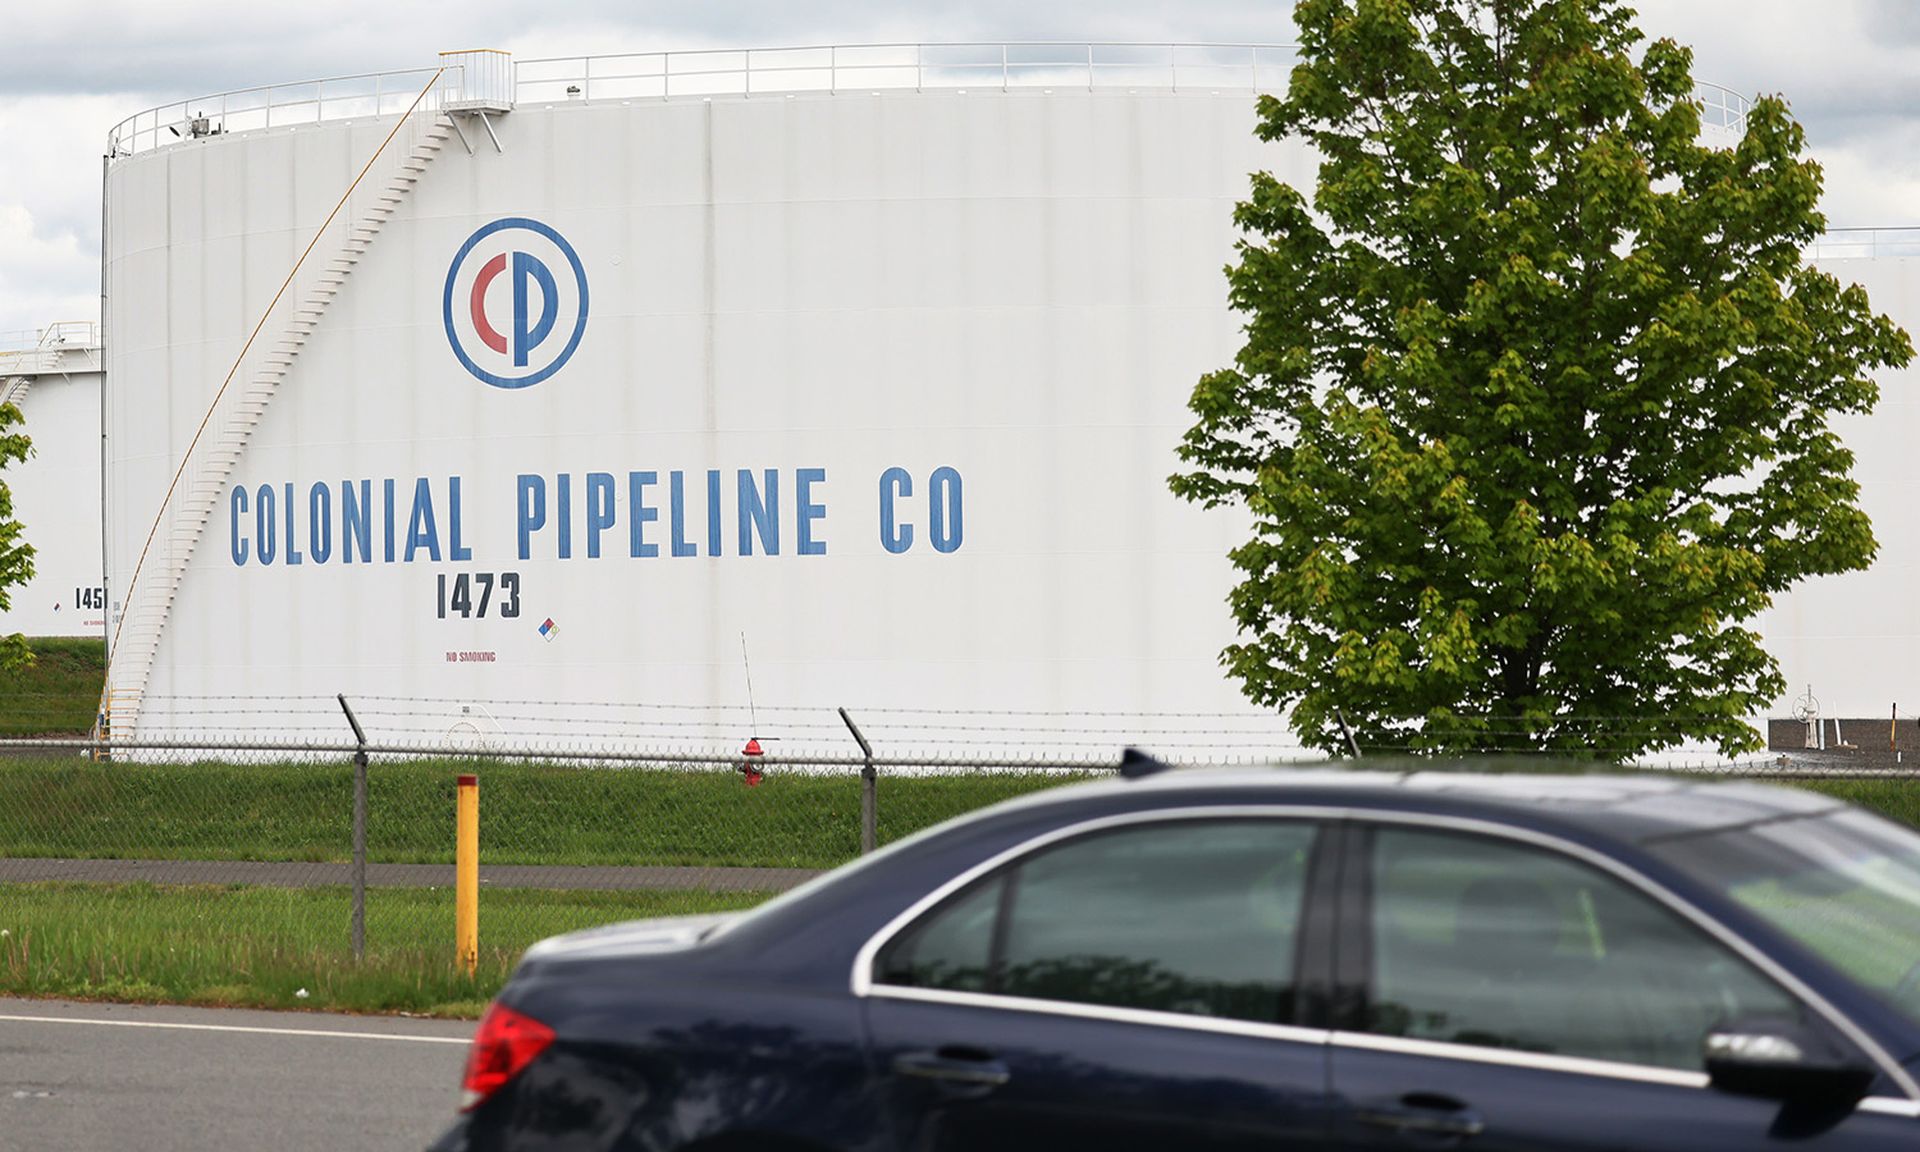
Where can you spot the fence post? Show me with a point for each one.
(466, 872)
(359, 833)
(869, 800)
(1347, 732)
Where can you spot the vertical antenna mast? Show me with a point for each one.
(753, 717)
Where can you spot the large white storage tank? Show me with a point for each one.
(1852, 642)
(882, 377)
(867, 361)
(53, 376)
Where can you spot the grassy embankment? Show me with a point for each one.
(529, 813)
(1899, 799)
(258, 946)
(57, 694)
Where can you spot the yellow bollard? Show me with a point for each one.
(466, 872)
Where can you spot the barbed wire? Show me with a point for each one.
(1054, 755)
(908, 737)
(328, 702)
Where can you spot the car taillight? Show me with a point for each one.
(506, 1042)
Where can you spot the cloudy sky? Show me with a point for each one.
(75, 67)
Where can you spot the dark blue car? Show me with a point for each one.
(1260, 960)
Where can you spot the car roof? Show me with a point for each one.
(1636, 806)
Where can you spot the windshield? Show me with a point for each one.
(1843, 883)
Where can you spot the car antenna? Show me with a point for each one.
(1134, 764)
(753, 717)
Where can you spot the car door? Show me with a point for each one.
(1128, 985)
(1513, 995)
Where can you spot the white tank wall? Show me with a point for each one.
(199, 239)
(1021, 287)
(56, 498)
(1854, 640)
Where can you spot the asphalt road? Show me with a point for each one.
(110, 1076)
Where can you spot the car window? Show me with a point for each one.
(1843, 883)
(951, 949)
(1197, 917)
(1486, 942)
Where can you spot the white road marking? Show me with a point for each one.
(238, 1028)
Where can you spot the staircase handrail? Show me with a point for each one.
(128, 597)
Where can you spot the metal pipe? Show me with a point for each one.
(466, 872)
(487, 123)
(106, 601)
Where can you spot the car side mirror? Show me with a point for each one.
(1786, 1061)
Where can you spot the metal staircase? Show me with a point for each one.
(13, 389)
(207, 468)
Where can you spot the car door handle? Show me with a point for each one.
(1426, 1113)
(963, 1067)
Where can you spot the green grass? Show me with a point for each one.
(58, 693)
(529, 814)
(1899, 799)
(257, 947)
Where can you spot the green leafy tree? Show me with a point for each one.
(16, 555)
(1534, 406)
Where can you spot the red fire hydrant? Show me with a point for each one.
(749, 767)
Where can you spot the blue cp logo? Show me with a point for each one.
(510, 319)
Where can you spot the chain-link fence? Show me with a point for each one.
(227, 871)
(219, 868)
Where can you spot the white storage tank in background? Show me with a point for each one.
(53, 377)
(1853, 641)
